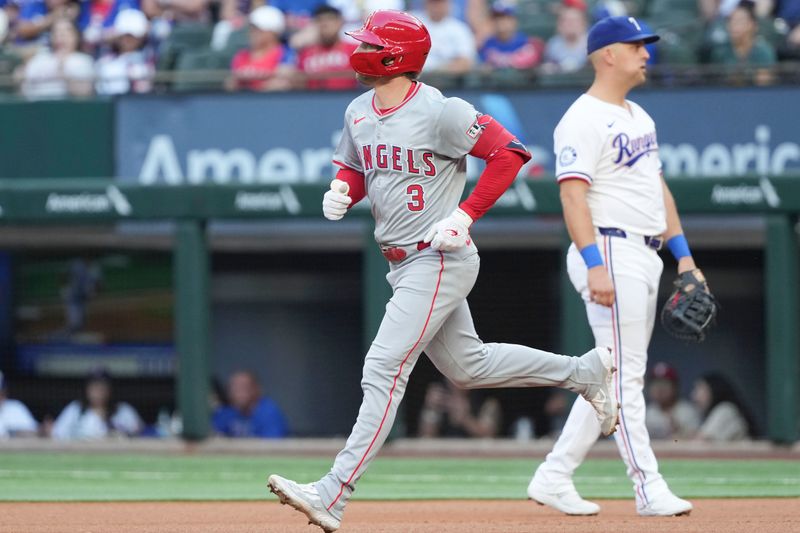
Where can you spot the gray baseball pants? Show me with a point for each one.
(428, 312)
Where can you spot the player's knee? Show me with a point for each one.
(464, 381)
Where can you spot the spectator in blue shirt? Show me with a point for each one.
(509, 48)
(788, 10)
(250, 413)
(36, 17)
(298, 12)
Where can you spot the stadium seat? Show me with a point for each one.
(184, 37)
(773, 30)
(8, 62)
(537, 18)
(566, 79)
(636, 8)
(678, 16)
(192, 66)
(238, 40)
(504, 78)
(676, 53)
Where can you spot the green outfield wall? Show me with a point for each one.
(96, 201)
(56, 139)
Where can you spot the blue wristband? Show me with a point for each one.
(591, 256)
(679, 247)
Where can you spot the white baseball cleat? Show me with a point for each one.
(304, 498)
(568, 501)
(666, 505)
(601, 394)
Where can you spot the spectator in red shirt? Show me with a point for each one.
(263, 66)
(326, 64)
(509, 48)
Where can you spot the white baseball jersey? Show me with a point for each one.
(413, 157)
(615, 150)
(15, 417)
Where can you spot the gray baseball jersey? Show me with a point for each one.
(413, 157)
(413, 160)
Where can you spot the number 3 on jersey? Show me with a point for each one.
(416, 198)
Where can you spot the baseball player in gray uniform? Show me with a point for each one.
(618, 210)
(404, 145)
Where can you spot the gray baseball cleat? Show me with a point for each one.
(601, 393)
(304, 498)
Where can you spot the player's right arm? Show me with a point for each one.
(578, 219)
(349, 187)
(577, 150)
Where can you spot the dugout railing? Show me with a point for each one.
(78, 202)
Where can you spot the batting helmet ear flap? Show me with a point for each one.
(404, 42)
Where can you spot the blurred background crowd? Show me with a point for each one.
(714, 412)
(78, 48)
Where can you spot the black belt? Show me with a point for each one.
(654, 242)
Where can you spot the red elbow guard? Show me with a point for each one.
(495, 137)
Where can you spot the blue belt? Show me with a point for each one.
(653, 242)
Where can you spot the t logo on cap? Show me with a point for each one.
(612, 30)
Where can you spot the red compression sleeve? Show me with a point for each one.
(504, 156)
(355, 180)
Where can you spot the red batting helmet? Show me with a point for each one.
(404, 41)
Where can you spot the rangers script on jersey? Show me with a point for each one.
(616, 152)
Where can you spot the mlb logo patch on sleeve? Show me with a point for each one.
(567, 156)
(480, 122)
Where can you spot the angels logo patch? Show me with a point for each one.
(567, 156)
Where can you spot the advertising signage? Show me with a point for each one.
(273, 139)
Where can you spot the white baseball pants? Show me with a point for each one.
(635, 270)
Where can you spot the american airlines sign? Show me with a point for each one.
(290, 138)
(111, 201)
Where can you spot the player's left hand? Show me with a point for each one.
(450, 234)
(691, 309)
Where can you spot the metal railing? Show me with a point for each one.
(665, 75)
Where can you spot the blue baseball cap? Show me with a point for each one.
(500, 8)
(622, 29)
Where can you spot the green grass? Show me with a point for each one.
(84, 477)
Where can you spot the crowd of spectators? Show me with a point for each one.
(715, 412)
(239, 410)
(57, 48)
(452, 412)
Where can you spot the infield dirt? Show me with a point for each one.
(484, 516)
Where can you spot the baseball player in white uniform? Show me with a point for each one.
(404, 145)
(618, 211)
